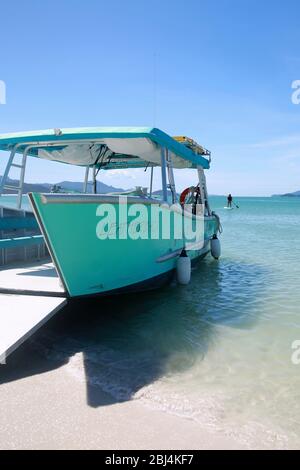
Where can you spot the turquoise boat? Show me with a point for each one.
(104, 244)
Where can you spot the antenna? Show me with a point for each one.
(154, 88)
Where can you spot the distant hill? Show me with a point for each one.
(28, 187)
(295, 194)
(102, 188)
(75, 186)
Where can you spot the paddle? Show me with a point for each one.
(236, 205)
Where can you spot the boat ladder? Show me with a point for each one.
(4, 184)
(203, 189)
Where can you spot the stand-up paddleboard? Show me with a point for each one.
(229, 208)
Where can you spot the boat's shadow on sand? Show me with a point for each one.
(121, 344)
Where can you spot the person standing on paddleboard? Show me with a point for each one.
(229, 200)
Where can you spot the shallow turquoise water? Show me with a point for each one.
(11, 201)
(217, 351)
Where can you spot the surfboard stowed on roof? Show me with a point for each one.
(193, 145)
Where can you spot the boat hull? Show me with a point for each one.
(88, 265)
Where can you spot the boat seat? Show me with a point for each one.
(21, 241)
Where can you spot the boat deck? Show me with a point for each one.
(39, 278)
(30, 294)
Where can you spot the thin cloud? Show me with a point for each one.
(284, 141)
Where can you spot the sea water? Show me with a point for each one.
(218, 351)
(10, 201)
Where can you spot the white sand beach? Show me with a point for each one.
(43, 409)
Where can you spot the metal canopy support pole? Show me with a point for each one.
(164, 175)
(24, 234)
(171, 177)
(94, 180)
(22, 176)
(86, 179)
(151, 181)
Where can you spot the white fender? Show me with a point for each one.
(183, 268)
(215, 247)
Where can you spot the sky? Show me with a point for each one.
(218, 71)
